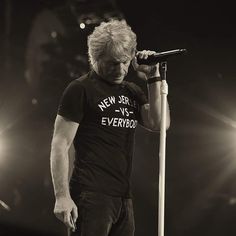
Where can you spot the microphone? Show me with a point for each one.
(160, 57)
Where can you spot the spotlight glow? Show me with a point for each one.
(1, 149)
(82, 26)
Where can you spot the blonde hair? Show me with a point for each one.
(115, 37)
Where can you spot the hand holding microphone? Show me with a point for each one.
(150, 70)
(147, 61)
(156, 57)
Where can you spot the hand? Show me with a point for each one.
(148, 70)
(66, 211)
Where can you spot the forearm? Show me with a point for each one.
(59, 162)
(154, 99)
(151, 113)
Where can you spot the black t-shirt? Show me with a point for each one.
(107, 115)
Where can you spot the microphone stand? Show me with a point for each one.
(162, 149)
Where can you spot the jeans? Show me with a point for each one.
(103, 215)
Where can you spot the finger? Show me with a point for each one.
(152, 52)
(149, 53)
(141, 54)
(67, 220)
(74, 214)
(72, 222)
(145, 54)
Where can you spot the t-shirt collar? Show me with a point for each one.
(94, 75)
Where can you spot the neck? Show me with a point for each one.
(95, 68)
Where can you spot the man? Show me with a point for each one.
(100, 112)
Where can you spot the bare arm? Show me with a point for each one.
(64, 133)
(151, 112)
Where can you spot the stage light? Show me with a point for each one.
(4, 206)
(34, 101)
(82, 26)
(54, 34)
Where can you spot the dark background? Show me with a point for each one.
(201, 152)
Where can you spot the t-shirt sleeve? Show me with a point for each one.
(73, 102)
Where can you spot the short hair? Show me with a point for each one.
(114, 36)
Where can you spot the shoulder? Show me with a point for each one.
(81, 85)
(83, 79)
(79, 82)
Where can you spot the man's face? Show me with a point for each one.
(113, 69)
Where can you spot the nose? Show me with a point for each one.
(118, 68)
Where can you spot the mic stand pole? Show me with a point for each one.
(162, 150)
